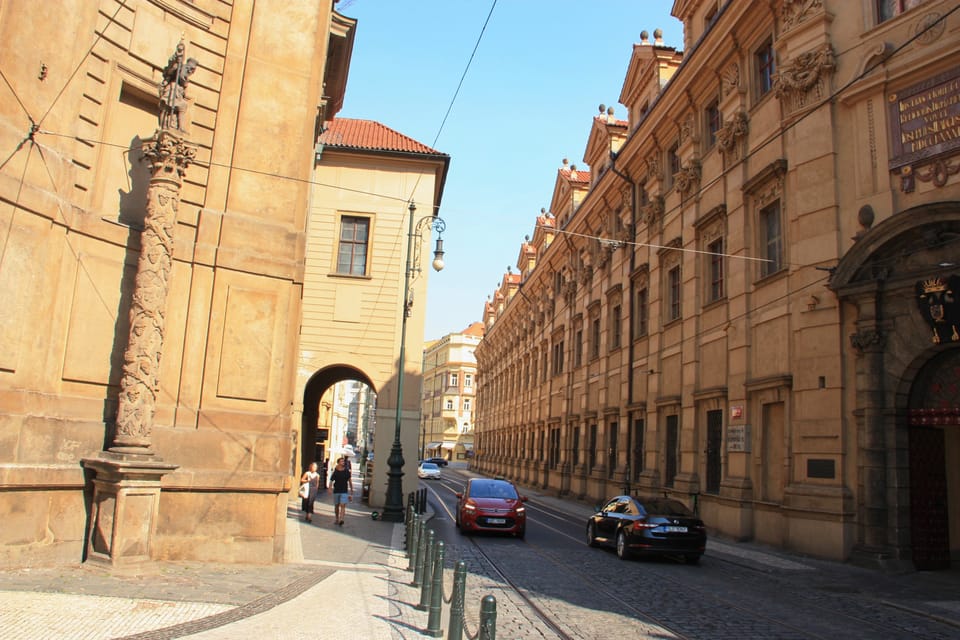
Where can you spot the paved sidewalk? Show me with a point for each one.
(339, 582)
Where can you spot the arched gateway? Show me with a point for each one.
(902, 377)
(319, 382)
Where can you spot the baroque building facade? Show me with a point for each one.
(449, 395)
(155, 188)
(748, 302)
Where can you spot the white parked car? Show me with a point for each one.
(428, 470)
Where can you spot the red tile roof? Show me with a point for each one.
(351, 133)
(576, 175)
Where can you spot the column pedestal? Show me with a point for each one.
(123, 519)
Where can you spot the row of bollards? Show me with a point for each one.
(426, 559)
(417, 499)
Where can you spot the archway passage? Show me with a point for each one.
(311, 448)
(935, 462)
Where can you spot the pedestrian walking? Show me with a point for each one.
(341, 485)
(311, 480)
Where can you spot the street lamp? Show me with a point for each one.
(393, 509)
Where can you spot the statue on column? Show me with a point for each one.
(174, 101)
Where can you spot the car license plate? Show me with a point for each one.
(675, 529)
(496, 521)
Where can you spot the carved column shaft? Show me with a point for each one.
(169, 156)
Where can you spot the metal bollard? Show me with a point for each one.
(455, 630)
(488, 619)
(421, 554)
(413, 542)
(423, 501)
(436, 592)
(427, 583)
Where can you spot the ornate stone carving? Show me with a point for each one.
(686, 128)
(730, 79)
(174, 101)
(169, 155)
(793, 12)
(688, 176)
(731, 133)
(868, 340)
(802, 81)
(652, 210)
(654, 169)
(937, 172)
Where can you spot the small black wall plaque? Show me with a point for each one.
(821, 468)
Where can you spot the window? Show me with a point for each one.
(709, 18)
(578, 348)
(466, 404)
(595, 338)
(713, 123)
(616, 319)
(715, 249)
(454, 379)
(673, 293)
(672, 452)
(771, 239)
(575, 458)
(673, 162)
(449, 404)
(887, 9)
(637, 464)
(612, 452)
(592, 448)
(714, 449)
(766, 68)
(558, 358)
(468, 380)
(554, 460)
(352, 252)
(543, 366)
(640, 313)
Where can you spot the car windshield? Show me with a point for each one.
(663, 507)
(428, 466)
(492, 489)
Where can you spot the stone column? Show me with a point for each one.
(126, 495)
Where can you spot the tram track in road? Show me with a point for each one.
(679, 606)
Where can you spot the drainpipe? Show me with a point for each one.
(632, 324)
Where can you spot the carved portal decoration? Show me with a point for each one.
(938, 301)
(929, 28)
(688, 176)
(868, 340)
(653, 210)
(794, 12)
(803, 81)
(731, 134)
(686, 128)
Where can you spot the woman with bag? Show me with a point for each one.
(309, 486)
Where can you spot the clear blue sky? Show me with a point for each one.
(540, 72)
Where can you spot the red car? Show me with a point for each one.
(491, 505)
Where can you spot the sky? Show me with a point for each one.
(526, 102)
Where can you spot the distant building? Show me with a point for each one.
(449, 395)
(749, 301)
(366, 177)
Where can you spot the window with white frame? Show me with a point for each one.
(467, 380)
(467, 404)
(454, 379)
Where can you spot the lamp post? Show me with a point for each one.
(393, 509)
